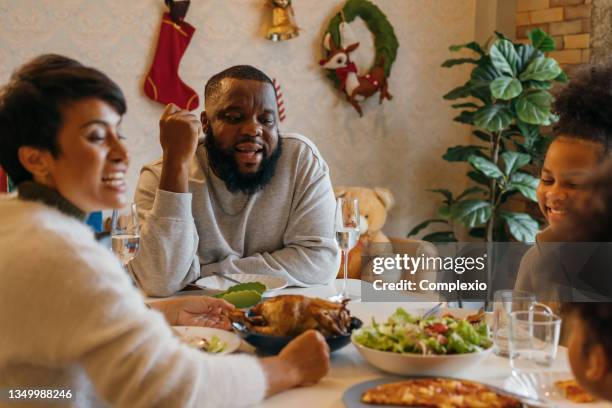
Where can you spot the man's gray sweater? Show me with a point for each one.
(286, 229)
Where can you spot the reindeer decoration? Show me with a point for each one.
(356, 87)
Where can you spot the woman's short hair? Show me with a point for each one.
(31, 103)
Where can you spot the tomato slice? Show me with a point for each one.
(439, 328)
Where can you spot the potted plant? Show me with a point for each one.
(508, 101)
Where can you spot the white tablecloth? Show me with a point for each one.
(349, 368)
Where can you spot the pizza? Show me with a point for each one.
(573, 391)
(438, 393)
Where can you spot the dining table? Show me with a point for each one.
(348, 367)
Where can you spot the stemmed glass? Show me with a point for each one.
(347, 234)
(125, 233)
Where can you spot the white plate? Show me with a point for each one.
(542, 385)
(231, 340)
(217, 283)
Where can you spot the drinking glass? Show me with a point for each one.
(347, 234)
(504, 303)
(533, 340)
(125, 233)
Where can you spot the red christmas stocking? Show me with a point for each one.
(4, 188)
(163, 83)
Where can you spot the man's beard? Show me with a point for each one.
(225, 166)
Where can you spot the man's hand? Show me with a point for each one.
(196, 311)
(179, 131)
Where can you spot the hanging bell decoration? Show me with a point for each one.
(283, 21)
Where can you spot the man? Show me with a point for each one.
(243, 200)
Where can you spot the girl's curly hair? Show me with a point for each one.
(584, 106)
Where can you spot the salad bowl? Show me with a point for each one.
(418, 364)
(408, 345)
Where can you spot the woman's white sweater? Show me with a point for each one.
(71, 319)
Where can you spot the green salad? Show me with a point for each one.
(214, 345)
(406, 333)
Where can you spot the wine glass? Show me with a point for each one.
(347, 234)
(125, 233)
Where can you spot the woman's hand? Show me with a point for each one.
(196, 311)
(304, 361)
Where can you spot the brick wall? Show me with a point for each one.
(567, 21)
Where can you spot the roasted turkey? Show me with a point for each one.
(291, 315)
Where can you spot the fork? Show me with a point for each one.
(225, 277)
(432, 311)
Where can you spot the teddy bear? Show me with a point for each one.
(374, 205)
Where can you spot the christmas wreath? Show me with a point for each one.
(385, 43)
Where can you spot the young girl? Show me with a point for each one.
(581, 142)
(70, 318)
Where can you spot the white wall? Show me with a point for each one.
(397, 145)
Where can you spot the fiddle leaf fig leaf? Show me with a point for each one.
(504, 57)
(459, 92)
(528, 131)
(514, 161)
(482, 135)
(478, 232)
(493, 117)
(446, 193)
(545, 85)
(440, 236)
(466, 117)
(465, 105)
(471, 190)
(444, 212)
(484, 73)
(506, 88)
(526, 53)
(534, 107)
(474, 46)
(562, 78)
(525, 183)
(461, 153)
(472, 213)
(486, 167)
(458, 61)
(541, 40)
(418, 228)
(541, 69)
(478, 177)
(521, 226)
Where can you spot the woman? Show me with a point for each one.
(70, 316)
